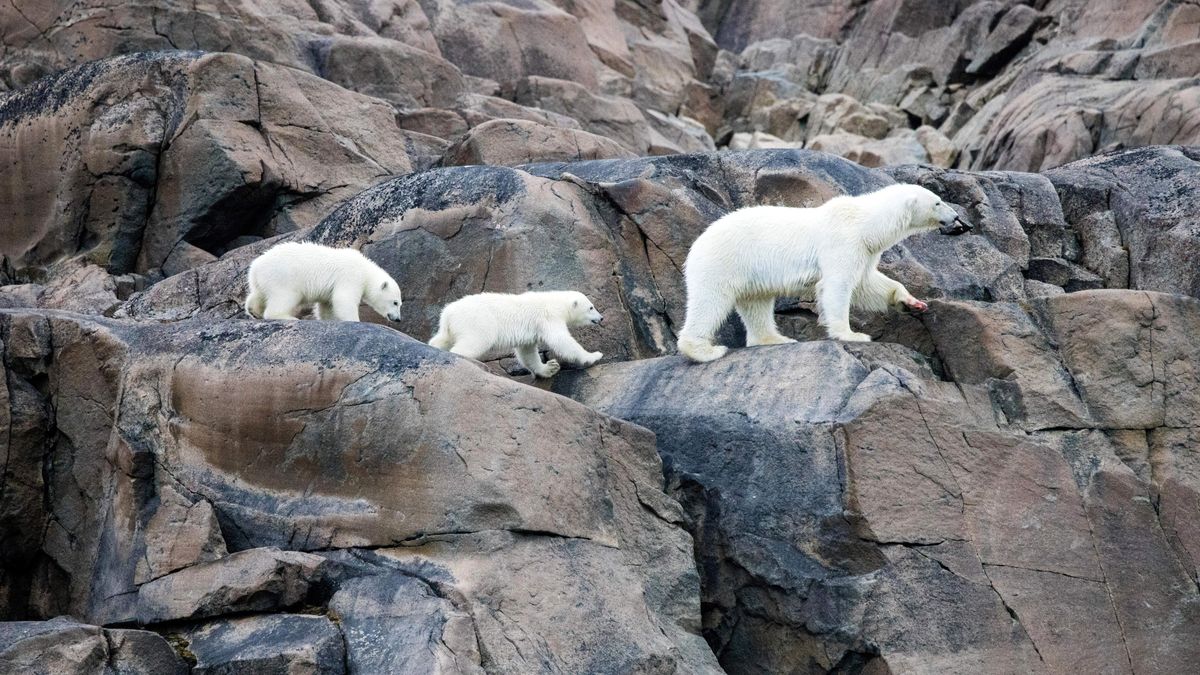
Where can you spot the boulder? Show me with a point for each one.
(513, 142)
(63, 646)
(269, 643)
(254, 580)
(171, 156)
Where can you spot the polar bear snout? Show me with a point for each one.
(955, 227)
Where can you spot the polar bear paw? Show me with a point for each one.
(591, 359)
(549, 369)
(914, 305)
(852, 337)
(769, 340)
(701, 351)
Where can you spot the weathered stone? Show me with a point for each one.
(180, 150)
(989, 540)
(64, 647)
(180, 534)
(402, 624)
(256, 580)
(998, 345)
(512, 142)
(274, 643)
(300, 460)
(1133, 213)
(1129, 375)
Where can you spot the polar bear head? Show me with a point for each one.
(928, 212)
(581, 311)
(383, 296)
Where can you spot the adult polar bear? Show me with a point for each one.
(489, 322)
(751, 256)
(293, 275)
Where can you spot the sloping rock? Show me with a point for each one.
(861, 513)
(344, 436)
(1015, 85)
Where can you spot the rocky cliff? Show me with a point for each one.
(1007, 483)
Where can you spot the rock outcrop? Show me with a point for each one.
(399, 512)
(1007, 483)
(929, 502)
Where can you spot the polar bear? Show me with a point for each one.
(293, 275)
(487, 322)
(749, 257)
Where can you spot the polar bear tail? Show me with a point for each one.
(256, 303)
(699, 350)
(442, 339)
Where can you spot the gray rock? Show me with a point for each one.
(282, 644)
(256, 580)
(62, 646)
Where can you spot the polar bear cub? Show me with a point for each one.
(749, 257)
(294, 275)
(490, 322)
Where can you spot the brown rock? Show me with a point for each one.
(1113, 343)
(255, 580)
(63, 646)
(512, 142)
(300, 459)
(179, 534)
(998, 345)
(284, 643)
(189, 153)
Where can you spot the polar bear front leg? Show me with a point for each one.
(833, 300)
(881, 291)
(758, 316)
(560, 341)
(529, 357)
(345, 305)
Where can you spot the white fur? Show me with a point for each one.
(751, 256)
(492, 322)
(294, 275)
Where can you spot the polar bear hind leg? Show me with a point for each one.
(705, 314)
(256, 303)
(442, 339)
(282, 305)
(758, 315)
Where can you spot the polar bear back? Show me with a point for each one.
(313, 270)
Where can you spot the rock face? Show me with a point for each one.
(167, 159)
(841, 496)
(1014, 85)
(1007, 483)
(366, 450)
(926, 503)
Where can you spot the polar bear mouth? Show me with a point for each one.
(955, 227)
